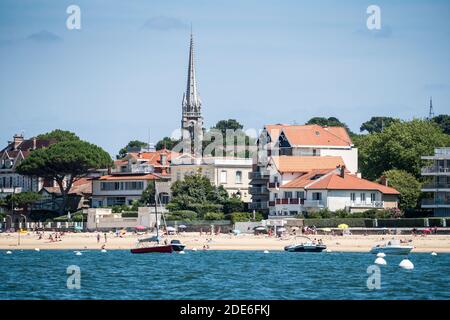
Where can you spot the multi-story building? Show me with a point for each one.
(231, 173)
(296, 189)
(11, 156)
(131, 175)
(439, 185)
(297, 140)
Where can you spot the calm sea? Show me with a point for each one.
(219, 275)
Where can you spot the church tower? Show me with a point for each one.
(192, 120)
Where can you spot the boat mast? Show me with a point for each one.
(156, 213)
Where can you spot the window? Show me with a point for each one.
(275, 179)
(238, 176)
(300, 194)
(128, 185)
(363, 197)
(314, 152)
(275, 195)
(223, 176)
(288, 194)
(317, 196)
(353, 196)
(372, 197)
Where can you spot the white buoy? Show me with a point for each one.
(194, 249)
(181, 252)
(8, 252)
(380, 261)
(104, 250)
(406, 264)
(381, 255)
(266, 251)
(37, 249)
(78, 253)
(328, 250)
(434, 253)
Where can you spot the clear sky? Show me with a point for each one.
(123, 74)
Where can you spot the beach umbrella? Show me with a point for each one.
(140, 228)
(170, 229)
(261, 228)
(281, 229)
(343, 226)
(182, 226)
(326, 230)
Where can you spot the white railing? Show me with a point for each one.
(435, 170)
(314, 203)
(442, 151)
(374, 204)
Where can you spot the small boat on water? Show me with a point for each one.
(392, 247)
(152, 244)
(309, 246)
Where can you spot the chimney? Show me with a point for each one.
(342, 173)
(17, 140)
(384, 181)
(163, 159)
(34, 143)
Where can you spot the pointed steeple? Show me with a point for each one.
(431, 111)
(191, 99)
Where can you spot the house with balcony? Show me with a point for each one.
(232, 173)
(438, 186)
(11, 156)
(312, 183)
(297, 141)
(131, 175)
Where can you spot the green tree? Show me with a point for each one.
(443, 121)
(196, 193)
(132, 144)
(407, 185)
(21, 200)
(65, 162)
(377, 124)
(230, 124)
(330, 122)
(167, 143)
(399, 146)
(148, 196)
(59, 135)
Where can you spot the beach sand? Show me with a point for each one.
(348, 243)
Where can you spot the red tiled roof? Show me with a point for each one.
(148, 176)
(154, 157)
(306, 163)
(350, 182)
(315, 135)
(305, 179)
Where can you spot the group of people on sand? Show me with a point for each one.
(53, 237)
(309, 230)
(99, 237)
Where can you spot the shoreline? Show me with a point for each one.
(348, 243)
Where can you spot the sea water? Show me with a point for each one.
(118, 274)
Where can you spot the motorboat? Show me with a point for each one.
(177, 246)
(308, 246)
(392, 247)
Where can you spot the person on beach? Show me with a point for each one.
(106, 240)
(98, 237)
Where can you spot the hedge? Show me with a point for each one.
(333, 223)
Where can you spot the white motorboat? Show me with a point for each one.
(392, 247)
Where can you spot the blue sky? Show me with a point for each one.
(123, 74)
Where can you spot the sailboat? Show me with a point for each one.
(145, 245)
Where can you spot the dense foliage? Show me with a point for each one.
(377, 124)
(132, 144)
(407, 185)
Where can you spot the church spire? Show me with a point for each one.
(191, 99)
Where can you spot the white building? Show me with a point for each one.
(295, 187)
(10, 157)
(231, 173)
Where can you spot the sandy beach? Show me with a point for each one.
(349, 243)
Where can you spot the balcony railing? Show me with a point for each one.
(435, 202)
(258, 190)
(11, 190)
(442, 151)
(259, 175)
(436, 170)
(374, 204)
(314, 203)
(271, 203)
(258, 205)
(436, 186)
